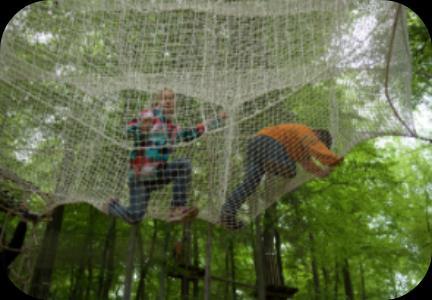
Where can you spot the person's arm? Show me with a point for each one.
(132, 128)
(310, 166)
(189, 134)
(318, 150)
(7, 256)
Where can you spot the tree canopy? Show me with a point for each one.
(364, 232)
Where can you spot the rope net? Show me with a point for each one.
(80, 78)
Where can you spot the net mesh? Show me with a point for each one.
(75, 73)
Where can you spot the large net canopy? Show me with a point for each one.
(74, 73)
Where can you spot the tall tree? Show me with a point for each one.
(42, 274)
(130, 261)
(349, 291)
(106, 273)
(259, 259)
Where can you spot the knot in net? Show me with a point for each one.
(75, 76)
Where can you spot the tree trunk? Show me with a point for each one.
(336, 281)
(196, 264)
(207, 278)
(230, 284)
(362, 283)
(79, 291)
(186, 250)
(279, 257)
(272, 259)
(89, 284)
(326, 276)
(72, 281)
(314, 266)
(130, 262)
(43, 270)
(141, 281)
(107, 268)
(163, 272)
(259, 261)
(77, 282)
(144, 264)
(41, 279)
(349, 293)
(227, 272)
(232, 269)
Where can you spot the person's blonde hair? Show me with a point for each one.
(157, 97)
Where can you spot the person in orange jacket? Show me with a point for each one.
(276, 150)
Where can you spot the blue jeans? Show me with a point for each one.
(263, 154)
(178, 172)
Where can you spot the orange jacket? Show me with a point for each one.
(301, 143)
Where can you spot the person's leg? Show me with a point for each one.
(180, 173)
(139, 196)
(254, 171)
(277, 160)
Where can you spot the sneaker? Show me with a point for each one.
(107, 204)
(230, 222)
(182, 214)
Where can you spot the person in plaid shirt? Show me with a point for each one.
(154, 134)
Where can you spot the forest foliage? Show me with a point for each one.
(362, 233)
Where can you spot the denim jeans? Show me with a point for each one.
(263, 154)
(178, 172)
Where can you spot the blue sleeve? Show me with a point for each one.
(132, 130)
(133, 133)
(189, 134)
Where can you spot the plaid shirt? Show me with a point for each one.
(152, 150)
